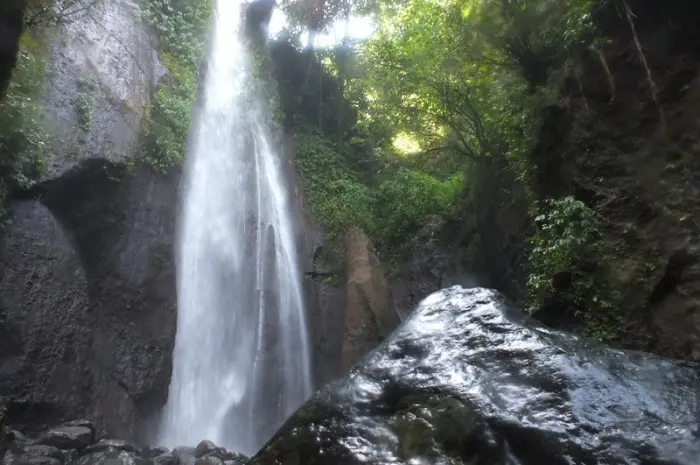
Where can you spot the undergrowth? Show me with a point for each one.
(24, 143)
(181, 27)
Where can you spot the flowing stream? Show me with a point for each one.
(241, 363)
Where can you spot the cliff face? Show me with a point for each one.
(87, 284)
(623, 138)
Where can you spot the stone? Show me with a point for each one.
(84, 423)
(107, 444)
(70, 456)
(184, 453)
(209, 460)
(150, 452)
(67, 437)
(469, 379)
(165, 458)
(205, 447)
(45, 451)
(27, 459)
(112, 457)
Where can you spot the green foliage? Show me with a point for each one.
(336, 196)
(568, 240)
(181, 26)
(87, 89)
(407, 201)
(23, 141)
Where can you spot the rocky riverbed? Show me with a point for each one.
(76, 443)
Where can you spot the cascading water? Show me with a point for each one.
(241, 357)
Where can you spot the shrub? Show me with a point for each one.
(181, 26)
(23, 141)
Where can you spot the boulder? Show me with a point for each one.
(83, 422)
(112, 457)
(165, 458)
(67, 437)
(150, 452)
(184, 454)
(110, 444)
(26, 459)
(469, 379)
(205, 447)
(70, 455)
(45, 451)
(209, 460)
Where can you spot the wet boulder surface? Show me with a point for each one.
(469, 380)
(76, 443)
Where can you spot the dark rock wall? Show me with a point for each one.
(87, 299)
(11, 24)
(632, 156)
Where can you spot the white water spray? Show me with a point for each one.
(241, 363)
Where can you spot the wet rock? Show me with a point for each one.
(468, 379)
(209, 460)
(67, 437)
(165, 458)
(150, 452)
(27, 459)
(234, 458)
(184, 454)
(45, 451)
(83, 423)
(205, 447)
(109, 444)
(70, 456)
(113, 457)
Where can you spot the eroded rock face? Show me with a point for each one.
(87, 299)
(369, 308)
(102, 71)
(467, 379)
(433, 266)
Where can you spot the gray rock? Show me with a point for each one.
(107, 444)
(20, 458)
(70, 456)
(208, 460)
(87, 285)
(67, 437)
(106, 60)
(84, 423)
(45, 451)
(184, 453)
(113, 457)
(468, 379)
(205, 447)
(233, 458)
(38, 460)
(150, 452)
(165, 459)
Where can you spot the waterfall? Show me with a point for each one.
(241, 363)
